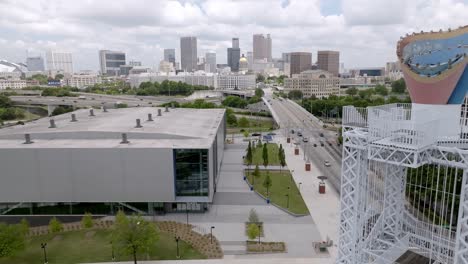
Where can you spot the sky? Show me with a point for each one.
(364, 31)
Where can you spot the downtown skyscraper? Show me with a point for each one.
(329, 60)
(188, 54)
(169, 55)
(233, 55)
(262, 47)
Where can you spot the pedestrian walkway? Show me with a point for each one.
(257, 259)
(324, 208)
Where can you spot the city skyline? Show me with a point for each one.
(144, 30)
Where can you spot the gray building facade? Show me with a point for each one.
(110, 62)
(188, 54)
(233, 58)
(169, 162)
(169, 55)
(35, 63)
(210, 62)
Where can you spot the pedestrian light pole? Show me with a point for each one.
(43, 246)
(211, 234)
(177, 238)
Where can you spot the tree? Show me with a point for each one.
(352, 91)
(253, 231)
(59, 76)
(249, 156)
(12, 238)
(55, 225)
(282, 159)
(231, 119)
(280, 153)
(255, 174)
(243, 122)
(259, 92)
(399, 86)
(381, 89)
(295, 94)
(5, 101)
(260, 78)
(265, 155)
(267, 183)
(246, 133)
(253, 217)
(87, 220)
(133, 235)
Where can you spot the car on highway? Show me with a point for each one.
(304, 139)
(292, 131)
(271, 134)
(326, 163)
(321, 134)
(82, 97)
(299, 134)
(256, 134)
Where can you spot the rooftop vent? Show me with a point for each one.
(150, 117)
(167, 109)
(73, 118)
(52, 123)
(27, 139)
(91, 112)
(159, 112)
(138, 123)
(124, 139)
(104, 109)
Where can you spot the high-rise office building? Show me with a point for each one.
(235, 43)
(262, 47)
(35, 63)
(169, 55)
(329, 61)
(188, 53)
(300, 61)
(210, 62)
(111, 61)
(286, 57)
(59, 61)
(233, 55)
(250, 59)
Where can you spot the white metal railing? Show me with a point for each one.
(354, 116)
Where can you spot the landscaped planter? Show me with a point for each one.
(265, 247)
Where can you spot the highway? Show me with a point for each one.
(94, 100)
(291, 116)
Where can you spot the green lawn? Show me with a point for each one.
(255, 125)
(272, 155)
(280, 183)
(78, 247)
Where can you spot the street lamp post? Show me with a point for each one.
(112, 247)
(43, 246)
(259, 232)
(211, 234)
(177, 238)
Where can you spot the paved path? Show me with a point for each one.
(230, 210)
(324, 208)
(253, 259)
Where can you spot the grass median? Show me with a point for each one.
(273, 159)
(93, 246)
(279, 190)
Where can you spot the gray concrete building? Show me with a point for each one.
(262, 47)
(210, 62)
(188, 54)
(299, 62)
(35, 63)
(329, 61)
(110, 62)
(169, 55)
(122, 158)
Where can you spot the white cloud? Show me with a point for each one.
(365, 32)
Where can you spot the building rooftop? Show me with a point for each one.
(180, 127)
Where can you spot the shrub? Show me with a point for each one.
(253, 231)
(87, 220)
(55, 225)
